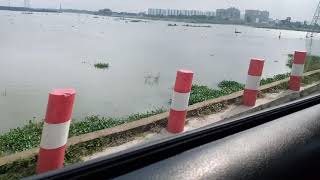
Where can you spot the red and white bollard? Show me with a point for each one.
(180, 100)
(297, 70)
(55, 130)
(253, 82)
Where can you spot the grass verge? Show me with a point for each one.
(28, 137)
(202, 93)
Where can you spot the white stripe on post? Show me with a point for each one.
(55, 130)
(253, 82)
(299, 60)
(297, 69)
(54, 135)
(180, 101)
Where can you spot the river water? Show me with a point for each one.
(43, 51)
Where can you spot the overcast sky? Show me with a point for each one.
(297, 9)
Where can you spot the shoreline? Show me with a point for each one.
(196, 21)
(85, 146)
(13, 141)
(177, 20)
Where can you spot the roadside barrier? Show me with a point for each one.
(55, 130)
(180, 100)
(297, 70)
(60, 107)
(253, 82)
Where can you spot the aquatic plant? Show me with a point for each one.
(274, 78)
(28, 137)
(101, 65)
(202, 93)
(229, 87)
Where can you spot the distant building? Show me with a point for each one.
(210, 13)
(228, 14)
(157, 12)
(256, 16)
(142, 14)
(105, 12)
(176, 12)
(286, 21)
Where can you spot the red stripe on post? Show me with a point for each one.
(250, 97)
(60, 105)
(256, 67)
(183, 84)
(299, 57)
(183, 81)
(176, 121)
(50, 159)
(294, 83)
(58, 115)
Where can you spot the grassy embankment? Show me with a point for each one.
(28, 137)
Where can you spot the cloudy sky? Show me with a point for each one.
(298, 9)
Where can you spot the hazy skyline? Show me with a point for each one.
(297, 9)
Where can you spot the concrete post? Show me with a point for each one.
(55, 130)
(297, 70)
(180, 100)
(253, 82)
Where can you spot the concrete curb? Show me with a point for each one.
(144, 123)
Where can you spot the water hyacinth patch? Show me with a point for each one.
(274, 79)
(202, 93)
(101, 65)
(28, 137)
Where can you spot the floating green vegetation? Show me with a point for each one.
(101, 65)
(28, 137)
(202, 93)
(274, 78)
(229, 87)
(312, 62)
(20, 139)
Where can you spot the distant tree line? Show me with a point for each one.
(104, 12)
(27, 9)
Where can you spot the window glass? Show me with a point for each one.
(91, 78)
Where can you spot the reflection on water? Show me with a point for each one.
(43, 51)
